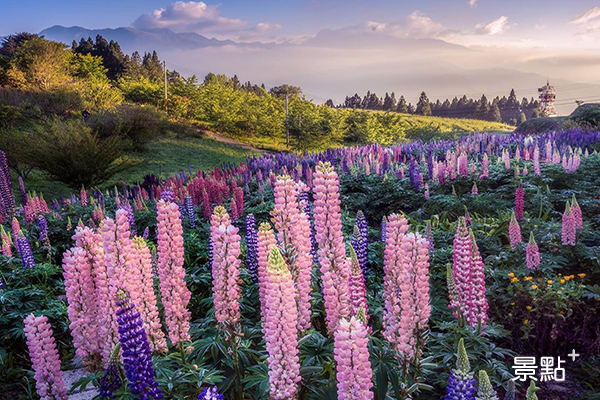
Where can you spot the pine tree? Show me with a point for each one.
(423, 106)
(402, 107)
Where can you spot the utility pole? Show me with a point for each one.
(165, 75)
(287, 125)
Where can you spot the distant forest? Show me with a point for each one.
(504, 109)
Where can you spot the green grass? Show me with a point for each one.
(163, 158)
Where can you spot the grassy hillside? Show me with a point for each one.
(163, 158)
(364, 126)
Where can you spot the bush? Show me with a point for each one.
(136, 124)
(71, 153)
(587, 116)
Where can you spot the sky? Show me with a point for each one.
(337, 47)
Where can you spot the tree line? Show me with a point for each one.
(504, 109)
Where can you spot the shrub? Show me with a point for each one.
(136, 124)
(587, 116)
(71, 153)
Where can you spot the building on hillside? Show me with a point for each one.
(547, 97)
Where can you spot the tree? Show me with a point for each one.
(389, 102)
(152, 67)
(329, 103)
(402, 107)
(495, 113)
(281, 91)
(423, 106)
(483, 109)
(522, 118)
(11, 43)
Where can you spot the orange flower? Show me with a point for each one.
(562, 281)
(528, 308)
(513, 280)
(534, 287)
(511, 275)
(581, 276)
(550, 282)
(525, 322)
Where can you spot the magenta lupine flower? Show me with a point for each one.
(514, 232)
(506, 158)
(576, 210)
(519, 202)
(143, 296)
(281, 329)
(293, 232)
(225, 268)
(406, 289)
(569, 235)
(83, 197)
(463, 164)
(532, 253)
(335, 270)
(44, 356)
(468, 276)
(174, 292)
(351, 353)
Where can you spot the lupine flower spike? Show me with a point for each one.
(510, 391)
(530, 395)
(569, 230)
(112, 378)
(514, 232)
(137, 357)
(532, 253)
(49, 380)
(210, 393)
(485, 391)
(461, 384)
(576, 210)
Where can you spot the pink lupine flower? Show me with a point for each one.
(525, 170)
(536, 161)
(548, 151)
(485, 167)
(174, 292)
(5, 242)
(468, 277)
(144, 297)
(351, 353)
(280, 329)
(474, 189)
(506, 158)
(44, 356)
(532, 253)
(463, 165)
(358, 291)
(266, 240)
(83, 197)
(225, 268)
(234, 210)
(335, 269)
(569, 227)
(519, 202)
(426, 191)
(514, 232)
(294, 234)
(406, 289)
(83, 308)
(576, 210)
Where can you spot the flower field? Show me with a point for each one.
(415, 271)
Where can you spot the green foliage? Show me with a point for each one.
(587, 116)
(70, 153)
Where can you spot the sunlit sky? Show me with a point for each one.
(538, 39)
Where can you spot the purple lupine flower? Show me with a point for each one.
(42, 224)
(428, 234)
(383, 229)
(112, 379)
(137, 357)
(130, 216)
(189, 211)
(7, 199)
(461, 384)
(25, 251)
(2, 283)
(414, 174)
(360, 241)
(210, 393)
(252, 246)
(146, 233)
(167, 196)
(24, 196)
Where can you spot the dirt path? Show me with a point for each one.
(233, 142)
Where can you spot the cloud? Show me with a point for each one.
(496, 27)
(472, 3)
(589, 20)
(188, 16)
(260, 31)
(415, 25)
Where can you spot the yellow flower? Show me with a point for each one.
(528, 278)
(559, 274)
(581, 276)
(525, 322)
(534, 287)
(511, 275)
(562, 281)
(567, 278)
(512, 304)
(561, 312)
(550, 282)
(528, 308)
(513, 280)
